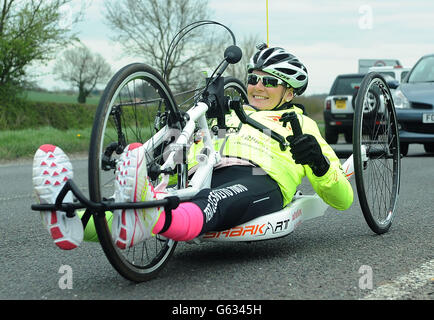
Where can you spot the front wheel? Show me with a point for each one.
(135, 106)
(376, 149)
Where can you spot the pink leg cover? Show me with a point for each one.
(187, 222)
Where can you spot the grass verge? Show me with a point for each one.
(58, 97)
(15, 144)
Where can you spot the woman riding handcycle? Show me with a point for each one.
(252, 174)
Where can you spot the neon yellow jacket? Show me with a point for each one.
(251, 144)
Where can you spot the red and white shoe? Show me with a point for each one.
(131, 227)
(51, 170)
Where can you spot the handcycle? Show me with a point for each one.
(138, 106)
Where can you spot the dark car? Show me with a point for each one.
(339, 107)
(414, 104)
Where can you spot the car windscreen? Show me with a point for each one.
(345, 85)
(423, 71)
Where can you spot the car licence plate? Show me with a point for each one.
(341, 104)
(428, 118)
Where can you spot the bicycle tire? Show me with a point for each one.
(135, 92)
(234, 87)
(378, 173)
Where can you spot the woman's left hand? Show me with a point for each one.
(306, 150)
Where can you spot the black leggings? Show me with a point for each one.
(237, 196)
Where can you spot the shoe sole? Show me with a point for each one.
(51, 170)
(126, 180)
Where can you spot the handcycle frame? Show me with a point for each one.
(273, 225)
(213, 105)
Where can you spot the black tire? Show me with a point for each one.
(429, 147)
(348, 134)
(331, 134)
(234, 87)
(136, 103)
(377, 175)
(404, 148)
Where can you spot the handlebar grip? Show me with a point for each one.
(295, 124)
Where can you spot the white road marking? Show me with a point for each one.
(404, 285)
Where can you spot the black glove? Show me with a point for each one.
(307, 151)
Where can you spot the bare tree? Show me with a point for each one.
(82, 69)
(145, 29)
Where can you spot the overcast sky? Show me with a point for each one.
(327, 36)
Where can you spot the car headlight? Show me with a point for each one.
(400, 100)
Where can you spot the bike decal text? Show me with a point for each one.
(236, 232)
(215, 196)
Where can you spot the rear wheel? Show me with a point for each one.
(376, 149)
(135, 105)
(331, 135)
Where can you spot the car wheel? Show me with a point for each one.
(372, 102)
(404, 148)
(331, 135)
(348, 136)
(429, 147)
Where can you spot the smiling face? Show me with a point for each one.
(267, 98)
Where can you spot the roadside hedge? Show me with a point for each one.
(22, 114)
(25, 114)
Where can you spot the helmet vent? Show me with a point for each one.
(255, 58)
(287, 71)
(266, 54)
(276, 59)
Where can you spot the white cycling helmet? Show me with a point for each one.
(282, 65)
